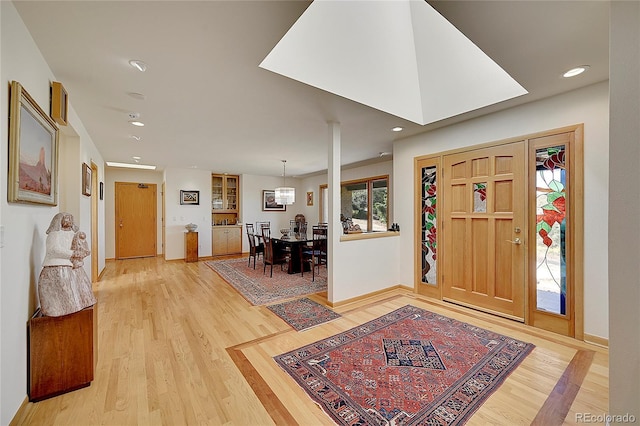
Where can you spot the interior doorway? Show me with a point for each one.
(135, 208)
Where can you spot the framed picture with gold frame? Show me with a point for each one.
(86, 179)
(33, 151)
(59, 103)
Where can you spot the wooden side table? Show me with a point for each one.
(191, 246)
(61, 355)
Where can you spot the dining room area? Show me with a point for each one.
(297, 249)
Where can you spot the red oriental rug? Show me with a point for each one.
(303, 313)
(260, 289)
(409, 367)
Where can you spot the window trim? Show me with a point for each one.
(369, 182)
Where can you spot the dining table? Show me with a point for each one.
(295, 242)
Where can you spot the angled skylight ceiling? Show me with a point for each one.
(401, 57)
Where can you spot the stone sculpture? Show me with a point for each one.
(63, 286)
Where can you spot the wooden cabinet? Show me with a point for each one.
(224, 193)
(225, 196)
(226, 240)
(191, 246)
(61, 353)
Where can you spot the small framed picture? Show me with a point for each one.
(269, 202)
(189, 197)
(86, 179)
(310, 198)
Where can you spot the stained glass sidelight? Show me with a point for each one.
(428, 233)
(480, 197)
(551, 223)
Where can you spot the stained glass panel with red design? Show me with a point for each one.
(428, 233)
(551, 223)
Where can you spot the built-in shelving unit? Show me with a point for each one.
(225, 193)
(225, 196)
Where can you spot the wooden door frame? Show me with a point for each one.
(577, 268)
(575, 243)
(164, 224)
(95, 273)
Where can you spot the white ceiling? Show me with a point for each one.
(208, 104)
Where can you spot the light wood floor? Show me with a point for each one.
(179, 346)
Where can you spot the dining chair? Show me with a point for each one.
(260, 226)
(255, 249)
(271, 256)
(316, 254)
(298, 227)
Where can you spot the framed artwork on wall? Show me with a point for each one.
(33, 151)
(269, 202)
(59, 103)
(189, 197)
(86, 179)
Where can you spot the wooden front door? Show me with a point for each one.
(484, 220)
(135, 219)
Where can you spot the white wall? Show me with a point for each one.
(251, 204)
(25, 225)
(177, 215)
(113, 175)
(588, 106)
(624, 209)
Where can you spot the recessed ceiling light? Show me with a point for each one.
(137, 123)
(398, 129)
(576, 71)
(138, 64)
(131, 166)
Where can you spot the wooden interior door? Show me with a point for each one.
(484, 220)
(135, 219)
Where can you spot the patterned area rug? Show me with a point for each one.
(259, 288)
(303, 313)
(408, 367)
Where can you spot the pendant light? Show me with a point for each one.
(285, 195)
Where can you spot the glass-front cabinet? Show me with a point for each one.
(225, 193)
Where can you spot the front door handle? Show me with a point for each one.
(515, 241)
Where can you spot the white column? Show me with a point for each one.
(335, 227)
(624, 209)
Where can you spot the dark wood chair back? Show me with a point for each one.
(272, 256)
(254, 248)
(264, 228)
(316, 255)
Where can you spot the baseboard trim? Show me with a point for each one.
(596, 340)
(368, 295)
